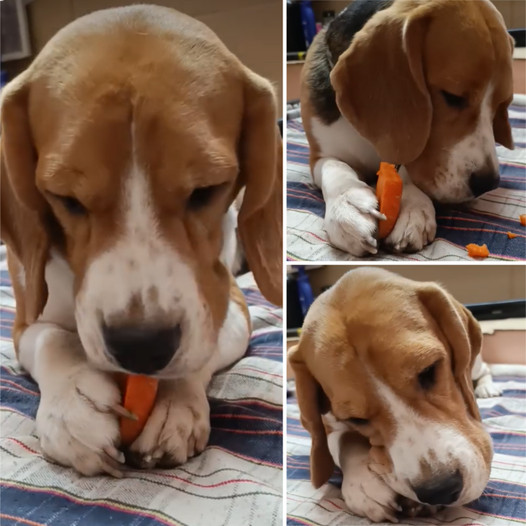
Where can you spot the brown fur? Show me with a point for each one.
(373, 320)
(393, 99)
(204, 120)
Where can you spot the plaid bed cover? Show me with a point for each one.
(237, 480)
(487, 220)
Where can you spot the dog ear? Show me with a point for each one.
(310, 398)
(260, 217)
(380, 85)
(463, 334)
(502, 128)
(501, 123)
(23, 213)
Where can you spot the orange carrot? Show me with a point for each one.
(139, 394)
(389, 195)
(511, 235)
(522, 219)
(477, 251)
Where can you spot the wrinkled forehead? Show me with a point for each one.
(467, 47)
(179, 144)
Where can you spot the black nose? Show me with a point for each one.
(142, 350)
(482, 182)
(443, 490)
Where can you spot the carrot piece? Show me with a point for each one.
(139, 394)
(389, 195)
(522, 219)
(511, 235)
(477, 251)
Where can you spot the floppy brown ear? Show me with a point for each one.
(394, 114)
(308, 392)
(463, 334)
(260, 217)
(23, 207)
(502, 128)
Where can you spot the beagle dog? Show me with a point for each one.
(123, 147)
(383, 371)
(420, 83)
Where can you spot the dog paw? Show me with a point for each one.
(77, 421)
(351, 221)
(177, 429)
(367, 495)
(487, 390)
(416, 225)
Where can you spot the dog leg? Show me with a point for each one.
(77, 419)
(416, 225)
(481, 376)
(364, 492)
(351, 215)
(179, 426)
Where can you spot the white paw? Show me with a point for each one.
(177, 429)
(77, 421)
(351, 220)
(487, 390)
(367, 495)
(416, 225)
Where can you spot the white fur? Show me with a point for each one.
(138, 262)
(475, 152)
(481, 375)
(441, 446)
(416, 224)
(351, 216)
(364, 492)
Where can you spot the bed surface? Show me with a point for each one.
(236, 480)
(502, 503)
(487, 220)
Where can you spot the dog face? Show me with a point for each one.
(437, 101)
(393, 358)
(130, 181)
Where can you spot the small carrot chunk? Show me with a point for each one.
(477, 251)
(522, 219)
(511, 235)
(389, 195)
(139, 393)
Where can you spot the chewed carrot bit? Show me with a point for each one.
(138, 393)
(477, 251)
(522, 219)
(511, 235)
(389, 195)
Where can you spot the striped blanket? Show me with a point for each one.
(487, 220)
(236, 480)
(502, 503)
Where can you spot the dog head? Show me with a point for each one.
(428, 83)
(391, 359)
(123, 146)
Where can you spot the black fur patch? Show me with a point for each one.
(336, 39)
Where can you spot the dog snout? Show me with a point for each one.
(441, 490)
(482, 182)
(142, 349)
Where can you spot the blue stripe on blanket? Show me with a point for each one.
(35, 506)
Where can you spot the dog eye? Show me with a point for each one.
(455, 101)
(427, 377)
(202, 196)
(72, 205)
(358, 421)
